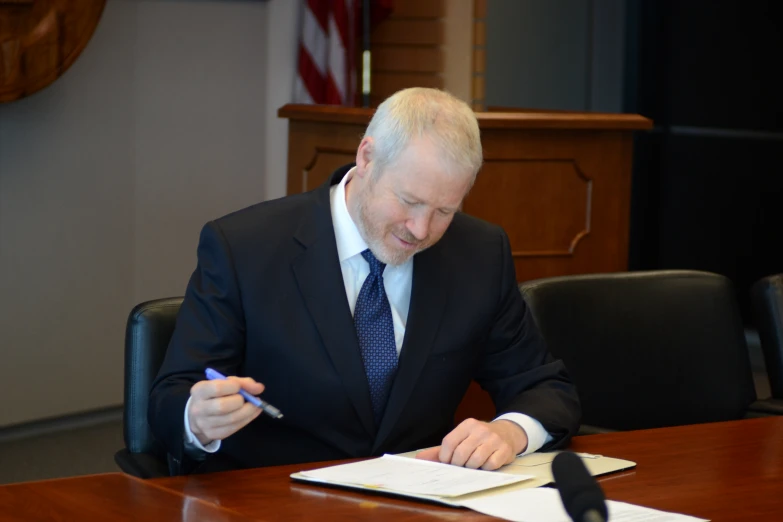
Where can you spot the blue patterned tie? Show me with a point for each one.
(375, 330)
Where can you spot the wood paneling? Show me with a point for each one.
(546, 210)
(386, 84)
(480, 9)
(406, 59)
(311, 159)
(323, 164)
(517, 119)
(407, 48)
(479, 60)
(419, 8)
(480, 33)
(423, 36)
(408, 32)
(478, 91)
(479, 54)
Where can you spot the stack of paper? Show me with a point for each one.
(503, 495)
(544, 505)
(410, 477)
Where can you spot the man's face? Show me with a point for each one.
(407, 207)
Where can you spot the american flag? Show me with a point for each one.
(327, 53)
(328, 50)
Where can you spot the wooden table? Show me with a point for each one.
(723, 471)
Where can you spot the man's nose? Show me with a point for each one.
(419, 226)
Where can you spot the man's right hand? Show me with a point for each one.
(217, 410)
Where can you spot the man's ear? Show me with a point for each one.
(364, 156)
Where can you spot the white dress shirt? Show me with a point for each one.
(397, 281)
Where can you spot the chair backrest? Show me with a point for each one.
(647, 349)
(147, 334)
(767, 297)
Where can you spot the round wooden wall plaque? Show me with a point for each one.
(40, 39)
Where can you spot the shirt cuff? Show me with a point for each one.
(537, 436)
(192, 443)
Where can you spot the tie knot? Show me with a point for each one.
(376, 267)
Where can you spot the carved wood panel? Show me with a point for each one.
(323, 164)
(544, 205)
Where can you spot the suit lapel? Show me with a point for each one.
(318, 274)
(429, 294)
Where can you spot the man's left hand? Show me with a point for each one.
(476, 444)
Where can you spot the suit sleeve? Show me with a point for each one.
(517, 369)
(210, 332)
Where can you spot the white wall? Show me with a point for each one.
(284, 20)
(167, 120)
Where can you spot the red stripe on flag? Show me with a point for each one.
(340, 14)
(320, 10)
(340, 69)
(311, 77)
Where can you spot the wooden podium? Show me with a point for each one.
(558, 182)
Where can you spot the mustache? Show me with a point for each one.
(406, 236)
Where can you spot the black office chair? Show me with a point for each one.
(649, 349)
(147, 336)
(767, 298)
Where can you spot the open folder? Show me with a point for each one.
(445, 484)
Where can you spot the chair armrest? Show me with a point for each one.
(765, 408)
(141, 465)
(586, 429)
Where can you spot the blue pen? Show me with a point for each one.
(252, 399)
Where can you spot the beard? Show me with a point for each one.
(374, 234)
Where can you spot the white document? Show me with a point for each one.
(544, 505)
(417, 477)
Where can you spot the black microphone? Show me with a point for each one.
(583, 499)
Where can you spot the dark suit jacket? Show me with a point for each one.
(267, 300)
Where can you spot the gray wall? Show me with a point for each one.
(107, 176)
(555, 54)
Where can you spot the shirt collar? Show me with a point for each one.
(349, 240)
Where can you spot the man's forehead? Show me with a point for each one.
(441, 188)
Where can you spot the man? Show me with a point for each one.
(365, 307)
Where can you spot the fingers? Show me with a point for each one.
(250, 385)
(223, 387)
(217, 410)
(431, 454)
(220, 406)
(474, 444)
(456, 449)
(465, 449)
(221, 427)
(497, 460)
(239, 417)
(480, 456)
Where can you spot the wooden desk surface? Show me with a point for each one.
(111, 496)
(722, 471)
(730, 471)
